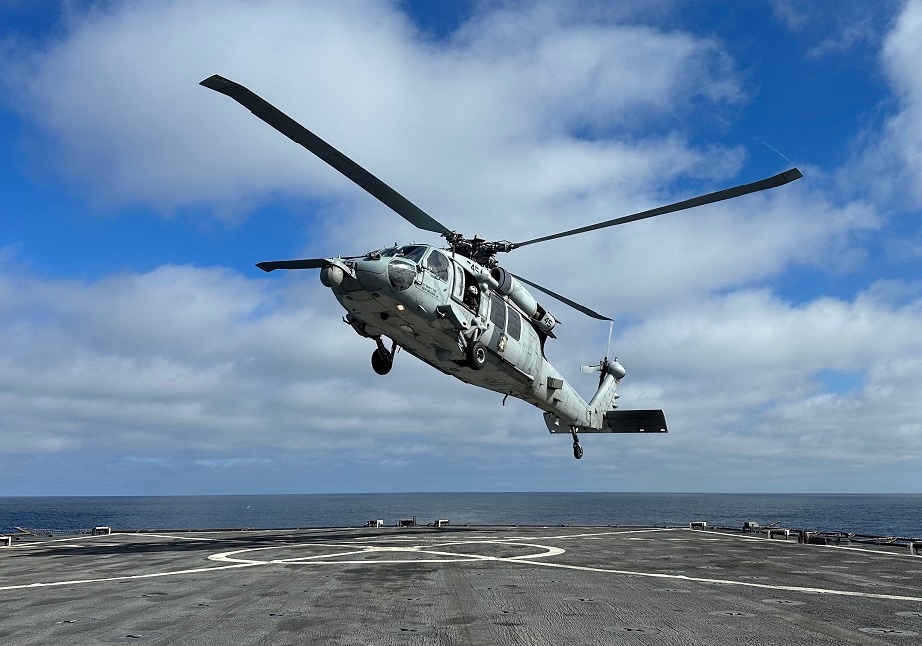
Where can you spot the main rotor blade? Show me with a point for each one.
(307, 263)
(563, 299)
(301, 135)
(710, 198)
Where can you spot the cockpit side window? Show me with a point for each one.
(437, 263)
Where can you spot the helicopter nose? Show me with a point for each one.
(372, 274)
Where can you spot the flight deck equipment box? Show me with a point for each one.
(375, 523)
(102, 530)
(442, 522)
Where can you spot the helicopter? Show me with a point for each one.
(456, 309)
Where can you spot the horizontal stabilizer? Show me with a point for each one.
(634, 421)
(616, 421)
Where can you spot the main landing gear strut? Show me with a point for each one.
(577, 449)
(382, 359)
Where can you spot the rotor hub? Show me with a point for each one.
(477, 249)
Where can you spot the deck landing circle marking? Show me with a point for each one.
(415, 630)
(134, 637)
(632, 630)
(360, 553)
(890, 632)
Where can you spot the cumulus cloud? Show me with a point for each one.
(903, 134)
(888, 151)
(455, 123)
(829, 30)
(743, 377)
(176, 358)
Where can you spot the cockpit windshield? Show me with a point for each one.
(377, 254)
(412, 252)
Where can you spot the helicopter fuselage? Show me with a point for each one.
(435, 304)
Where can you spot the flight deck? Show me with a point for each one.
(456, 585)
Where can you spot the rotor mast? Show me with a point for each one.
(477, 249)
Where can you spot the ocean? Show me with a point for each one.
(873, 514)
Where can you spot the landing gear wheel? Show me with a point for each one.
(476, 355)
(382, 361)
(577, 451)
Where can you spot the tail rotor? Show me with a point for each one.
(602, 366)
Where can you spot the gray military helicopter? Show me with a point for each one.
(457, 309)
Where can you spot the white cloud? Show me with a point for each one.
(887, 154)
(827, 29)
(903, 136)
(741, 375)
(197, 360)
(117, 104)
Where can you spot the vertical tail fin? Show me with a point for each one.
(604, 398)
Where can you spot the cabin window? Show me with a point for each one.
(437, 263)
(458, 288)
(497, 311)
(514, 324)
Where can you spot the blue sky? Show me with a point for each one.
(142, 352)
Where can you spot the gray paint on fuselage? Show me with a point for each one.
(524, 374)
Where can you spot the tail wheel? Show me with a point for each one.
(476, 355)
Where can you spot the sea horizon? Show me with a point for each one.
(872, 514)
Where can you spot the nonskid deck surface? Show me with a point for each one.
(458, 585)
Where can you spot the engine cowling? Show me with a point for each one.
(508, 286)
